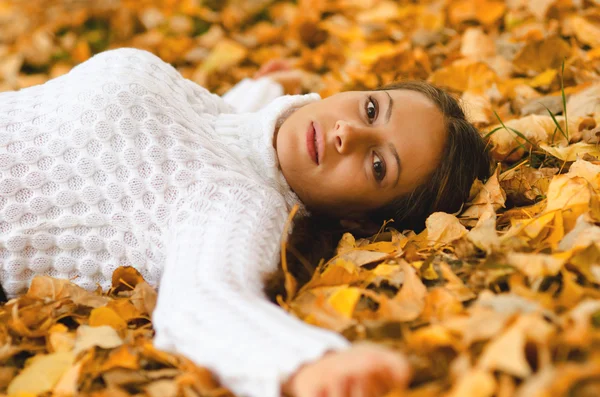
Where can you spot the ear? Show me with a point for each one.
(361, 228)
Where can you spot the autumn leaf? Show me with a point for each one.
(499, 299)
(444, 228)
(42, 374)
(539, 56)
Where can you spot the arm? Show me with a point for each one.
(211, 307)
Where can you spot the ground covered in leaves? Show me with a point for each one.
(499, 300)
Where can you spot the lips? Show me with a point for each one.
(312, 143)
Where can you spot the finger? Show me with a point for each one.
(313, 390)
(344, 389)
(387, 379)
(378, 387)
(376, 384)
(271, 66)
(357, 390)
(399, 371)
(264, 69)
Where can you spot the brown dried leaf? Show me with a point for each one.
(44, 287)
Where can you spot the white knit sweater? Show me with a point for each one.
(124, 162)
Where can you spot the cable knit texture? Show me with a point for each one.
(123, 162)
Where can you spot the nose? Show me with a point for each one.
(348, 137)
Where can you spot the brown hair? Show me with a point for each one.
(465, 157)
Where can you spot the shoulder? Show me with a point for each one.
(146, 71)
(121, 57)
(129, 63)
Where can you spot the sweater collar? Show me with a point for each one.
(250, 136)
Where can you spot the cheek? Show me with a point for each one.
(349, 177)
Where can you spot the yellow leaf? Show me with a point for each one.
(507, 354)
(484, 235)
(106, 316)
(465, 75)
(525, 185)
(444, 228)
(481, 324)
(347, 242)
(586, 262)
(67, 384)
(590, 172)
(408, 304)
(144, 298)
(374, 52)
(60, 339)
(383, 12)
(42, 373)
(381, 246)
(125, 278)
(537, 265)
(542, 55)
(225, 54)
(440, 303)
(490, 198)
(508, 145)
(544, 79)
(344, 300)
(429, 272)
(125, 308)
(586, 31)
(573, 193)
(571, 292)
(478, 108)
(573, 151)
(361, 257)
(44, 287)
(430, 338)
(476, 44)
(337, 273)
(585, 102)
(121, 357)
(474, 383)
(581, 236)
(455, 285)
(484, 11)
(343, 29)
(103, 336)
(393, 274)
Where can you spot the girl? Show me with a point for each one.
(124, 162)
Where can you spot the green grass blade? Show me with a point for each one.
(557, 124)
(518, 133)
(564, 99)
(492, 132)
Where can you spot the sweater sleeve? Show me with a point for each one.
(211, 307)
(251, 95)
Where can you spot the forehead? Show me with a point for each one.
(417, 129)
(408, 101)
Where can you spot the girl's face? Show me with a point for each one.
(356, 151)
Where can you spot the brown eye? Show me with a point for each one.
(371, 109)
(378, 167)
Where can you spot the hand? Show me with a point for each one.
(272, 66)
(364, 370)
(281, 71)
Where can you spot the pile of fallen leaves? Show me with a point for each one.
(61, 338)
(499, 300)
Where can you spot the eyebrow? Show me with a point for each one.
(395, 153)
(389, 109)
(391, 145)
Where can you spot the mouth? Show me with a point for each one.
(312, 143)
